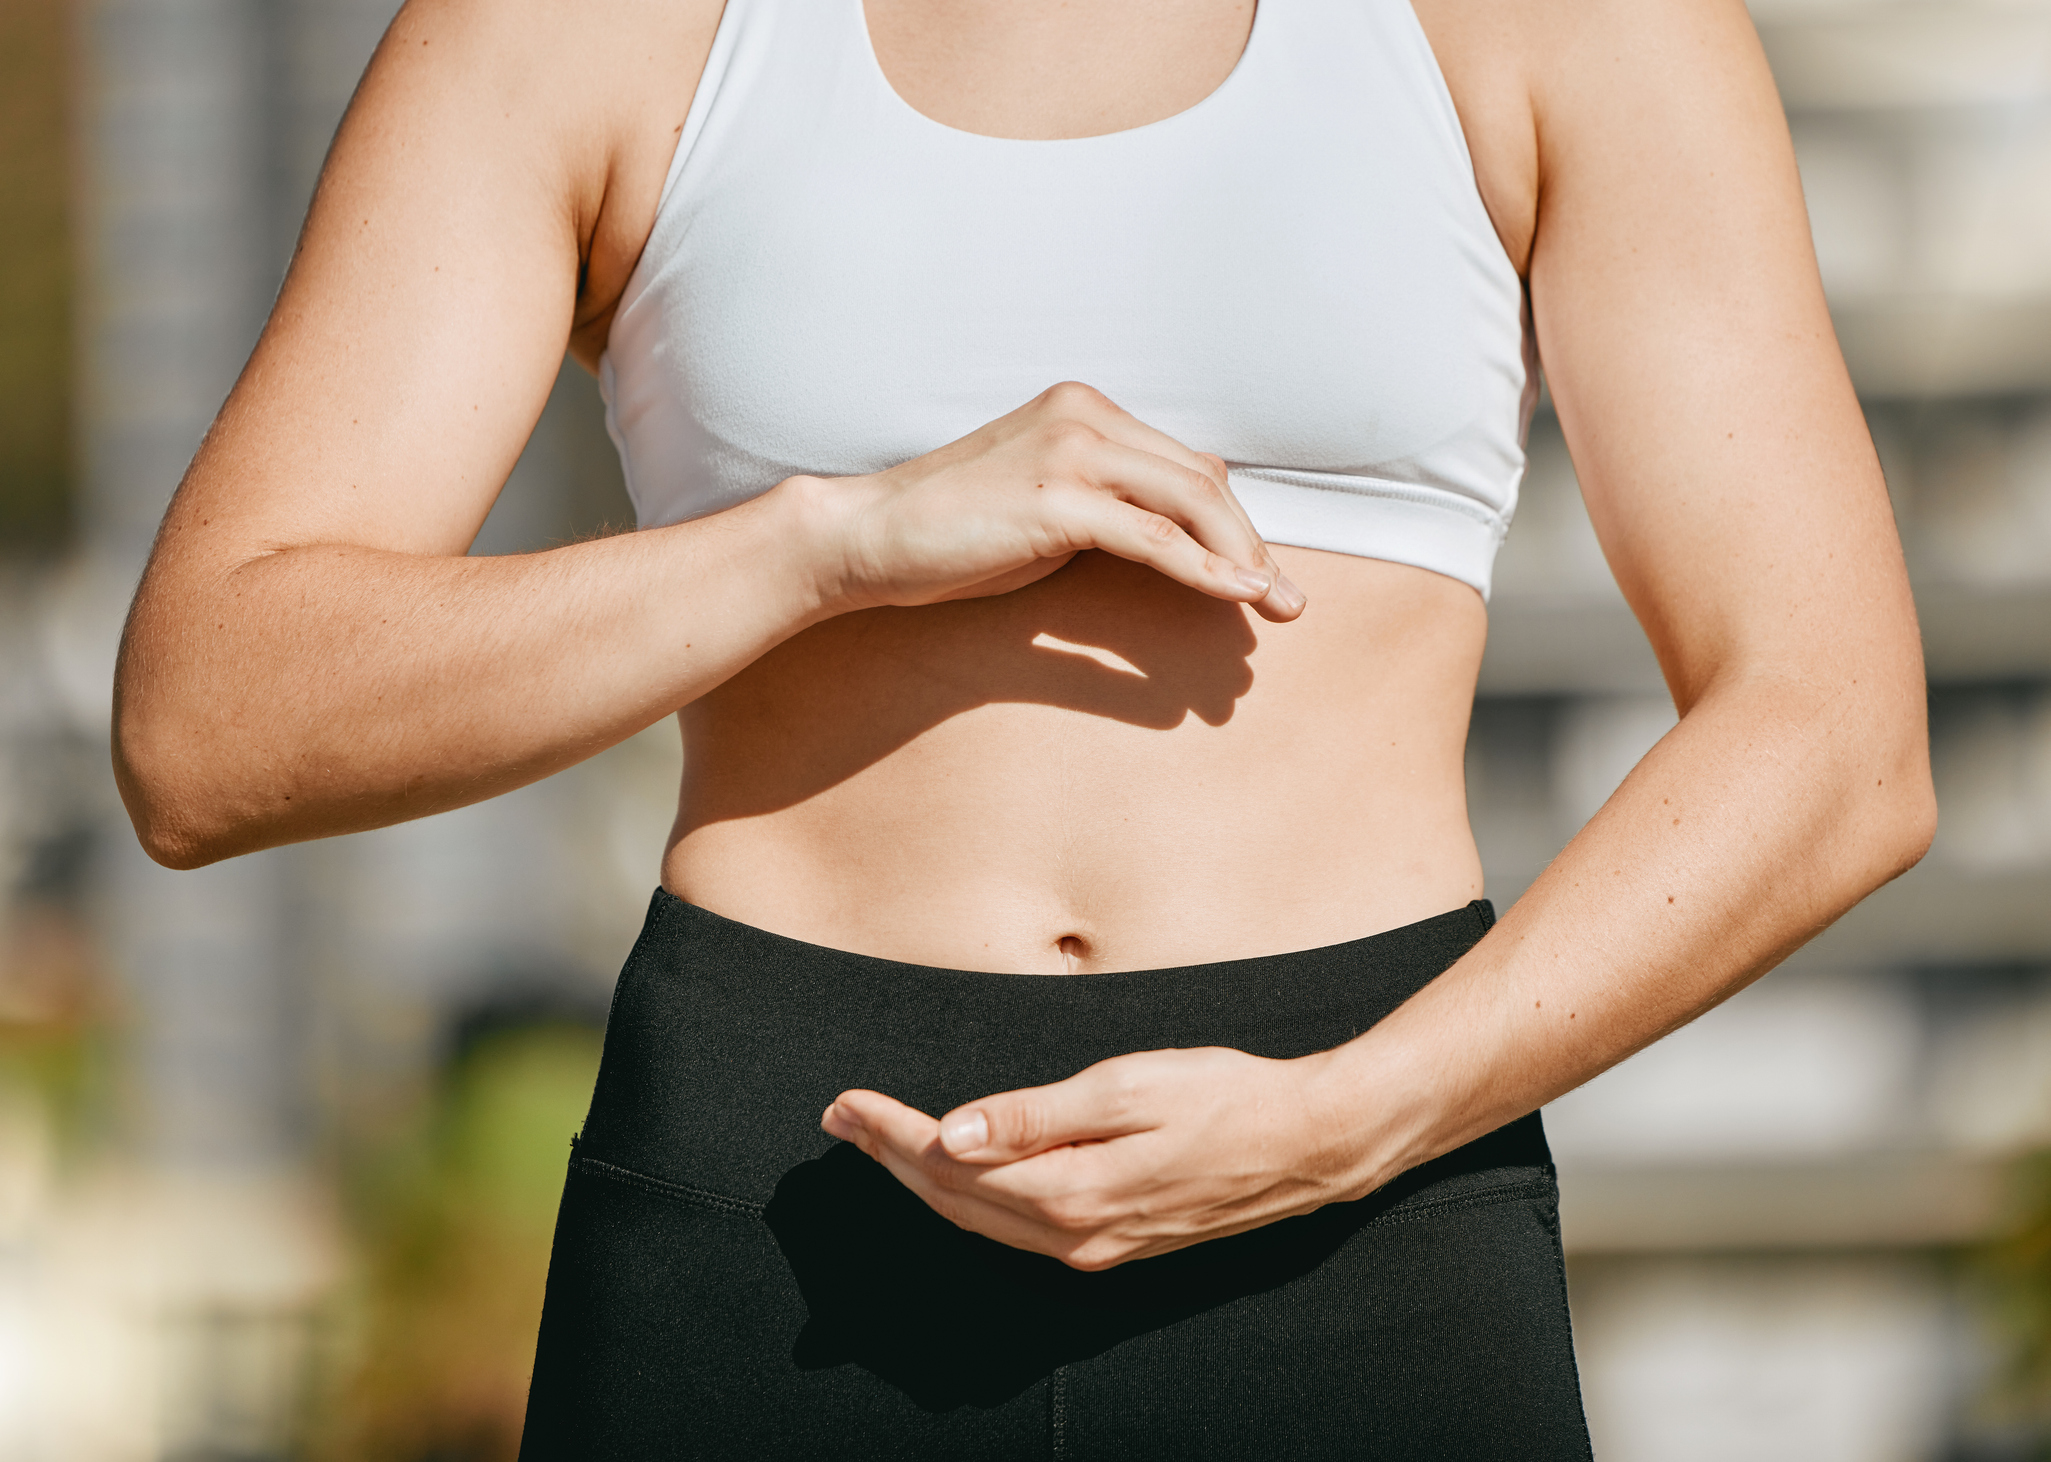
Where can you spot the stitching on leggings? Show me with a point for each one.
(1559, 1261)
(1057, 1413)
(662, 1188)
(1485, 1198)
(741, 1207)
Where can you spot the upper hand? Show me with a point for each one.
(1133, 1157)
(1015, 500)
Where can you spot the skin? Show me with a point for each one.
(911, 723)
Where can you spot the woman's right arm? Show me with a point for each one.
(311, 652)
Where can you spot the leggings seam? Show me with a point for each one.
(663, 1188)
(743, 1208)
(1487, 1197)
(1559, 1263)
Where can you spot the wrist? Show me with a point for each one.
(816, 526)
(1372, 1112)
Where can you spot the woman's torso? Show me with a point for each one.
(1105, 770)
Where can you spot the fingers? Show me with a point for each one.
(907, 1142)
(1284, 602)
(1088, 1107)
(1091, 1106)
(869, 1119)
(1074, 401)
(1188, 496)
(1122, 426)
(1137, 1155)
(1009, 503)
(1198, 499)
(1042, 1205)
(1097, 520)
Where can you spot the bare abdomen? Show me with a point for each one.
(1105, 770)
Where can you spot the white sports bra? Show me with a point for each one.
(1297, 274)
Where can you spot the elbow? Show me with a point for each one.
(1899, 819)
(189, 773)
(1879, 801)
(1917, 816)
(169, 838)
(173, 847)
(1915, 790)
(156, 789)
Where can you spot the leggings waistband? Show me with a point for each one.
(726, 1042)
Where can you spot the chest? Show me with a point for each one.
(838, 304)
(1057, 71)
(1293, 271)
(1053, 71)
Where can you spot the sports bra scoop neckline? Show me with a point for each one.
(1214, 95)
(1295, 272)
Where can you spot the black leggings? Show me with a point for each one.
(729, 1282)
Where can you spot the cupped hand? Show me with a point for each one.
(1133, 1157)
(1015, 500)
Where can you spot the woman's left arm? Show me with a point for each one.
(1735, 490)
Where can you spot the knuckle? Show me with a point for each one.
(1074, 396)
(1093, 1257)
(1022, 1125)
(1067, 439)
(1128, 1092)
(1158, 528)
(1119, 1086)
(1065, 1212)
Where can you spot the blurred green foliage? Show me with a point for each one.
(35, 275)
(57, 1030)
(2012, 1274)
(62, 1074)
(454, 1216)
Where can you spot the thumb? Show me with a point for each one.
(1017, 1124)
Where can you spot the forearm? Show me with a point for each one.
(330, 688)
(267, 695)
(1762, 817)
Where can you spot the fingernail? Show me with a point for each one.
(1291, 596)
(965, 1133)
(1255, 580)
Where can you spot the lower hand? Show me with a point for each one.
(1133, 1157)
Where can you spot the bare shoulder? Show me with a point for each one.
(591, 95)
(1544, 86)
(478, 210)
(642, 60)
(1489, 53)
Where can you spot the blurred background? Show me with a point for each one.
(280, 1141)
